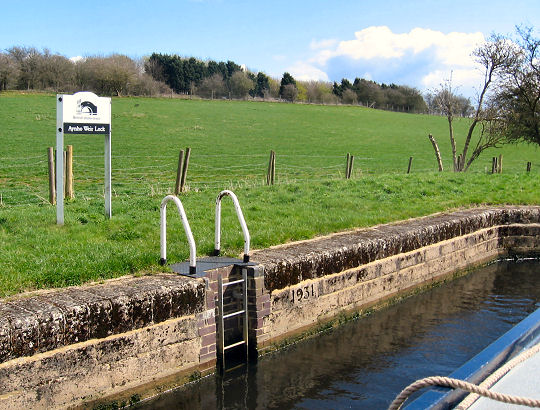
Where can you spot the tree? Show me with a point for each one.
(240, 84)
(213, 86)
(8, 71)
(274, 85)
(289, 92)
(414, 101)
(28, 61)
(302, 92)
(285, 92)
(518, 102)
(261, 85)
(495, 57)
(349, 97)
(112, 75)
(313, 91)
(339, 89)
(369, 93)
(56, 72)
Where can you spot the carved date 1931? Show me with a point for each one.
(303, 293)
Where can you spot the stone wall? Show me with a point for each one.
(70, 346)
(75, 346)
(309, 282)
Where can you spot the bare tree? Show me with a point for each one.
(213, 86)
(495, 57)
(313, 92)
(119, 74)
(112, 75)
(8, 71)
(289, 92)
(146, 85)
(518, 101)
(55, 72)
(349, 97)
(28, 62)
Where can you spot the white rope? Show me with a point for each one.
(495, 377)
(460, 384)
(481, 390)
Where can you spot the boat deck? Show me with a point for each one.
(523, 381)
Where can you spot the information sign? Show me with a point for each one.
(82, 113)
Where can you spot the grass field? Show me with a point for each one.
(230, 144)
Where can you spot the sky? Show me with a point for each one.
(418, 43)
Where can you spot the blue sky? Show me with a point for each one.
(416, 42)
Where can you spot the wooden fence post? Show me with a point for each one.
(185, 169)
(347, 164)
(493, 165)
(529, 166)
(69, 172)
(269, 171)
(64, 172)
(437, 152)
(271, 175)
(273, 167)
(179, 172)
(499, 168)
(52, 181)
(351, 164)
(409, 167)
(64, 187)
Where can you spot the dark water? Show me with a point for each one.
(367, 362)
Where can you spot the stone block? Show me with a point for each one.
(98, 319)
(24, 329)
(50, 321)
(5, 338)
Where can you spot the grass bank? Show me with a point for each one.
(230, 142)
(38, 254)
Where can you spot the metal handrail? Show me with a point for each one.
(217, 243)
(187, 229)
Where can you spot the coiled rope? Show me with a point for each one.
(481, 390)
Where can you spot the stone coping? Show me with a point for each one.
(45, 320)
(289, 264)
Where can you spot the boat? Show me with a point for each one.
(508, 370)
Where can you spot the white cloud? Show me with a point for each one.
(464, 81)
(321, 44)
(381, 42)
(422, 57)
(306, 72)
(76, 59)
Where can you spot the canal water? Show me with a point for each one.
(365, 363)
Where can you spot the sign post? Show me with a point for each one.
(82, 113)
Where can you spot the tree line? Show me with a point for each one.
(508, 108)
(388, 97)
(27, 68)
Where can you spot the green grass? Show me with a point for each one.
(230, 143)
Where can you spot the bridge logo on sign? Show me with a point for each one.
(86, 107)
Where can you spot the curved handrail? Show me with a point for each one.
(187, 229)
(217, 243)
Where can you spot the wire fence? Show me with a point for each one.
(24, 180)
